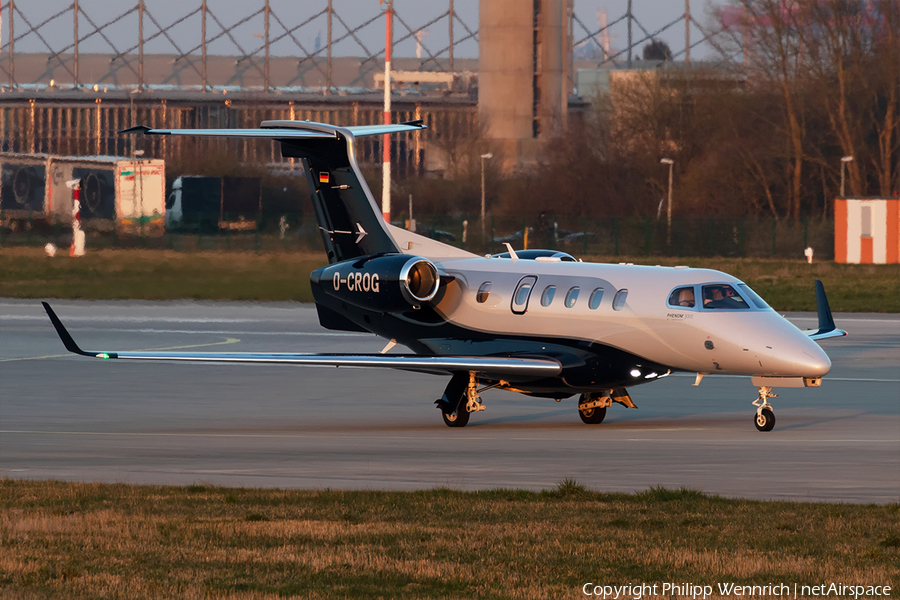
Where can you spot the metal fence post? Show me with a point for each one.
(491, 245)
(648, 242)
(584, 245)
(678, 236)
(524, 233)
(616, 236)
(774, 236)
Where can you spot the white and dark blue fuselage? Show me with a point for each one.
(539, 323)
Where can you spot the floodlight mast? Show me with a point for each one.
(844, 161)
(386, 140)
(483, 156)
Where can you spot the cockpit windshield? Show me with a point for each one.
(722, 295)
(755, 298)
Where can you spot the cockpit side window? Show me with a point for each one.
(721, 295)
(683, 296)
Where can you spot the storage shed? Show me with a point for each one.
(867, 230)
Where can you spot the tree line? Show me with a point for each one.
(798, 85)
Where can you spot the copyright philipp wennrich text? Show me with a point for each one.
(637, 591)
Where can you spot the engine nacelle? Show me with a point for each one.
(391, 283)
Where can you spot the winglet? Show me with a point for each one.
(826, 321)
(137, 129)
(67, 340)
(827, 328)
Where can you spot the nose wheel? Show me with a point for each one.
(765, 417)
(461, 398)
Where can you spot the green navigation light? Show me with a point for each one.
(103, 355)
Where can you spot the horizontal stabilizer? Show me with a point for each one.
(271, 134)
(488, 365)
(287, 130)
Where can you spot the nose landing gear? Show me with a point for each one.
(461, 398)
(765, 417)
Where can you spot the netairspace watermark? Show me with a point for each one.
(638, 591)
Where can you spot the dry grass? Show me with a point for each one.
(115, 541)
(284, 276)
(158, 275)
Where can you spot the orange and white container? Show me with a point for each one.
(867, 231)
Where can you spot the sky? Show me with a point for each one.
(652, 14)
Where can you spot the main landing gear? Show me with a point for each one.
(765, 417)
(592, 407)
(461, 398)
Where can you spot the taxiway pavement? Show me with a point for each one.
(72, 418)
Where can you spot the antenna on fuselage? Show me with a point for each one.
(512, 253)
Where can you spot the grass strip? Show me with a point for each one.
(283, 276)
(83, 540)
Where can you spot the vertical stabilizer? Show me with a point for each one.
(349, 220)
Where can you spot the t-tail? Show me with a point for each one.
(349, 221)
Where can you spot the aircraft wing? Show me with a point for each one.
(499, 366)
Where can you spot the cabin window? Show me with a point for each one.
(572, 297)
(522, 293)
(483, 292)
(683, 296)
(547, 296)
(619, 299)
(595, 299)
(722, 296)
(755, 298)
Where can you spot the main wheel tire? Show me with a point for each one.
(592, 416)
(459, 418)
(764, 420)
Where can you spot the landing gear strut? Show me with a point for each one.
(765, 417)
(592, 409)
(460, 398)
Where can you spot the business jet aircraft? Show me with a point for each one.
(536, 322)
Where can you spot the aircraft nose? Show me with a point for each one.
(806, 359)
(815, 363)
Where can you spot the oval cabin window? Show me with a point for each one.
(619, 300)
(547, 296)
(595, 299)
(483, 292)
(572, 297)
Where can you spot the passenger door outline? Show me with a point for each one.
(519, 305)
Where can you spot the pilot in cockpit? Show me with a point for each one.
(712, 294)
(686, 297)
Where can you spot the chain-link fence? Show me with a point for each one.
(579, 236)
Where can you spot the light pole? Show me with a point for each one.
(133, 120)
(844, 161)
(386, 138)
(671, 163)
(483, 156)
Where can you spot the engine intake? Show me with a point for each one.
(389, 283)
